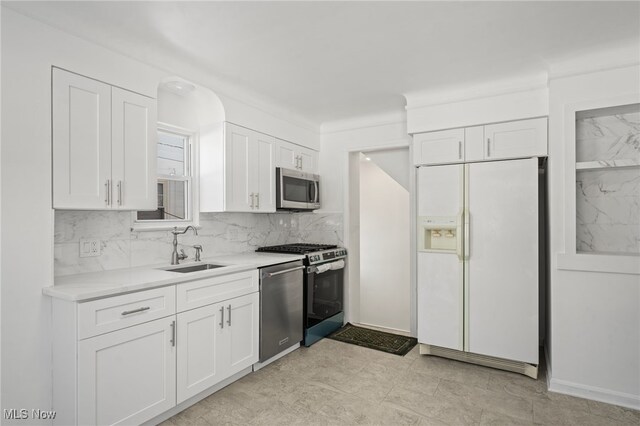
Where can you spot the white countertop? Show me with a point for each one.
(93, 285)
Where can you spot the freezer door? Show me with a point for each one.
(502, 273)
(440, 275)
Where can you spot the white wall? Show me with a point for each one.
(384, 249)
(595, 316)
(28, 52)
(340, 145)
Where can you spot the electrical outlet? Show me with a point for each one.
(90, 247)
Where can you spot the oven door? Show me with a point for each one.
(296, 190)
(324, 293)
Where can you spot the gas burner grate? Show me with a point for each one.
(300, 248)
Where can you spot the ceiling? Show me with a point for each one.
(335, 60)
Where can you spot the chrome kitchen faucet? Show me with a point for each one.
(175, 257)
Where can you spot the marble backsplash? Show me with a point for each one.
(608, 198)
(219, 233)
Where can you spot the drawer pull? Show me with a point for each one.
(134, 311)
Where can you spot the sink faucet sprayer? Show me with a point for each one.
(175, 257)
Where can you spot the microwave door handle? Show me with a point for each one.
(317, 197)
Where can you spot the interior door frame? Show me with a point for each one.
(351, 203)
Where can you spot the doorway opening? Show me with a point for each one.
(383, 199)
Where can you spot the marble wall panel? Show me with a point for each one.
(220, 233)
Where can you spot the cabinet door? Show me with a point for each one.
(503, 259)
(81, 114)
(442, 147)
(308, 160)
(264, 173)
(238, 169)
(516, 139)
(134, 142)
(242, 328)
(202, 356)
(286, 155)
(127, 376)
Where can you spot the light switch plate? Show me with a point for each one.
(90, 247)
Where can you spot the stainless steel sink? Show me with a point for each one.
(194, 268)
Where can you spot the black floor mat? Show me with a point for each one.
(373, 339)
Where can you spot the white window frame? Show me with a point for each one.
(193, 194)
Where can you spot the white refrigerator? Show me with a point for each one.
(478, 258)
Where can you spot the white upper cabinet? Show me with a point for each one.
(133, 144)
(442, 147)
(516, 139)
(250, 171)
(296, 157)
(81, 142)
(104, 146)
(237, 170)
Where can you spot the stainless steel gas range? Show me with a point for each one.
(323, 287)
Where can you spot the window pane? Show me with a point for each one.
(172, 201)
(171, 154)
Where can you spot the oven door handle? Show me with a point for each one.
(312, 269)
(286, 271)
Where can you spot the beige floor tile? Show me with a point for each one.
(452, 370)
(490, 418)
(554, 413)
(485, 399)
(334, 383)
(615, 412)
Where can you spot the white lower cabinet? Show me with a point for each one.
(127, 376)
(116, 363)
(216, 342)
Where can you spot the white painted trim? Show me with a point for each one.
(451, 94)
(624, 55)
(594, 393)
(374, 120)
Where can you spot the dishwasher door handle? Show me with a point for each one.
(286, 271)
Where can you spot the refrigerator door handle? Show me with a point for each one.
(467, 243)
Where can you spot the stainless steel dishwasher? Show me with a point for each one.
(281, 307)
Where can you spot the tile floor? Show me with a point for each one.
(334, 383)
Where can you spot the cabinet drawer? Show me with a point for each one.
(113, 313)
(216, 289)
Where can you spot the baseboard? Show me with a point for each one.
(594, 393)
(384, 329)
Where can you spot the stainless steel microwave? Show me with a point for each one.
(296, 190)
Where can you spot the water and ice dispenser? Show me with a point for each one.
(440, 234)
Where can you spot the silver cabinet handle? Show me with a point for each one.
(257, 200)
(286, 271)
(229, 319)
(460, 150)
(488, 147)
(106, 192)
(252, 201)
(301, 167)
(135, 311)
(173, 333)
(119, 192)
(222, 317)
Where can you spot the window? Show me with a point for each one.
(176, 189)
